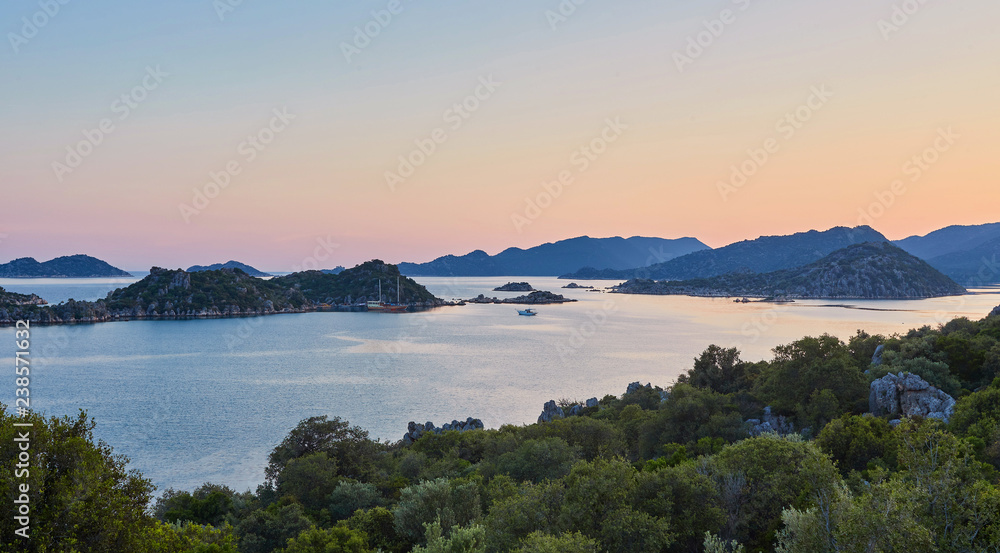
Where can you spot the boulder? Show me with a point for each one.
(908, 395)
(551, 412)
(636, 386)
(415, 430)
(593, 402)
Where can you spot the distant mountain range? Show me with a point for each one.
(873, 270)
(229, 265)
(558, 258)
(762, 255)
(72, 266)
(968, 254)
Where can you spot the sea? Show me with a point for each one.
(196, 401)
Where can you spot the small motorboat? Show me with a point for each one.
(527, 312)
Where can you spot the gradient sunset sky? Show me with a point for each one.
(895, 86)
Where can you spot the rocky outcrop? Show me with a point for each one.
(996, 311)
(770, 423)
(908, 395)
(514, 287)
(636, 386)
(574, 285)
(415, 430)
(551, 411)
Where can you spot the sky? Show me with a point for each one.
(303, 133)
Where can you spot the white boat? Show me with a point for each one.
(527, 312)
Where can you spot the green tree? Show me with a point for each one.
(569, 542)
(810, 365)
(720, 370)
(458, 540)
(349, 496)
(265, 530)
(537, 460)
(338, 539)
(355, 455)
(759, 477)
(449, 503)
(82, 496)
(309, 479)
(855, 442)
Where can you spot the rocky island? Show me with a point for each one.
(872, 270)
(179, 294)
(576, 286)
(538, 297)
(72, 266)
(515, 287)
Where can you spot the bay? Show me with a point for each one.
(206, 400)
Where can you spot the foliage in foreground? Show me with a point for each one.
(635, 474)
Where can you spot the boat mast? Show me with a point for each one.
(397, 288)
(380, 290)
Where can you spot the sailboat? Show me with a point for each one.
(382, 307)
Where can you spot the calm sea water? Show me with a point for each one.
(206, 400)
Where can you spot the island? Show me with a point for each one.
(538, 297)
(72, 266)
(515, 287)
(574, 285)
(179, 294)
(872, 270)
(229, 265)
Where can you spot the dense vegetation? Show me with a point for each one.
(352, 285)
(175, 293)
(761, 255)
(682, 471)
(13, 298)
(873, 270)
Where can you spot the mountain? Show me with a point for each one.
(229, 265)
(357, 284)
(874, 270)
(967, 254)
(72, 266)
(973, 267)
(556, 258)
(953, 239)
(762, 255)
